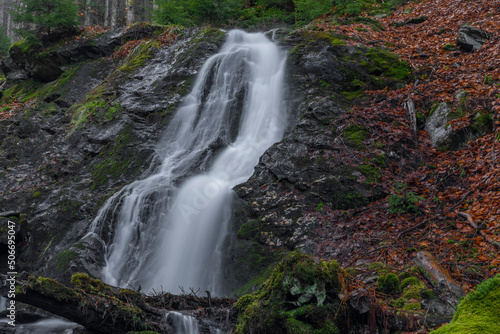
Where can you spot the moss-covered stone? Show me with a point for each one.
(478, 312)
(389, 284)
(411, 287)
(297, 284)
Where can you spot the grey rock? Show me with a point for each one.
(471, 39)
(437, 125)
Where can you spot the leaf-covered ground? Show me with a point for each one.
(454, 195)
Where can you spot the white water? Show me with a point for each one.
(182, 323)
(45, 326)
(171, 226)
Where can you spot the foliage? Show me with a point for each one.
(478, 312)
(47, 17)
(371, 7)
(403, 201)
(189, 12)
(308, 10)
(299, 297)
(4, 43)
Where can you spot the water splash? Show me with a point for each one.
(171, 226)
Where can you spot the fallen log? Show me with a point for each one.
(93, 304)
(439, 278)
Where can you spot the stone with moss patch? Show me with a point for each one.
(389, 284)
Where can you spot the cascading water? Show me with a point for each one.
(170, 226)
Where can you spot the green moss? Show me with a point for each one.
(356, 134)
(114, 160)
(411, 287)
(295, 326)
(296, 285)
(96, 109)
(63, 259)
(380, 160)
(478, 312)
(348, 200)
(389, 284)
(91, 285)
(23, 44)
(483, 123)
(250, 229)
(138, 56)
(386, 64)
(427, 294)
(69, 206)
(49, 287)
(412, 306)
(449, 47)
(371, 173)
(331, 38)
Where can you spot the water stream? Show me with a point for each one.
(171, 226)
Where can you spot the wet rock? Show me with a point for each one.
(471, 39)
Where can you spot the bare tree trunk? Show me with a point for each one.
(129, 8)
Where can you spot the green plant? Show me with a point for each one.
(308, 10)
(403, 201)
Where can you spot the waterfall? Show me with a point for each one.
(170, 228)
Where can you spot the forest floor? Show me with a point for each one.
(454, 194)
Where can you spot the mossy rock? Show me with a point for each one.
(386, 64)
(478, 312)
(300, 296)
(389, 284)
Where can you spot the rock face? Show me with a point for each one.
(470, 39)
(313, 166)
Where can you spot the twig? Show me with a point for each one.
(474, 225)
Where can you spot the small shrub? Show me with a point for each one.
(403, 201)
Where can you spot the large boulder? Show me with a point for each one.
(471, 39)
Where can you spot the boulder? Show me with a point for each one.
(437, 125)
(470, 39)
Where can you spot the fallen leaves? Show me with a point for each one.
(467, 180)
